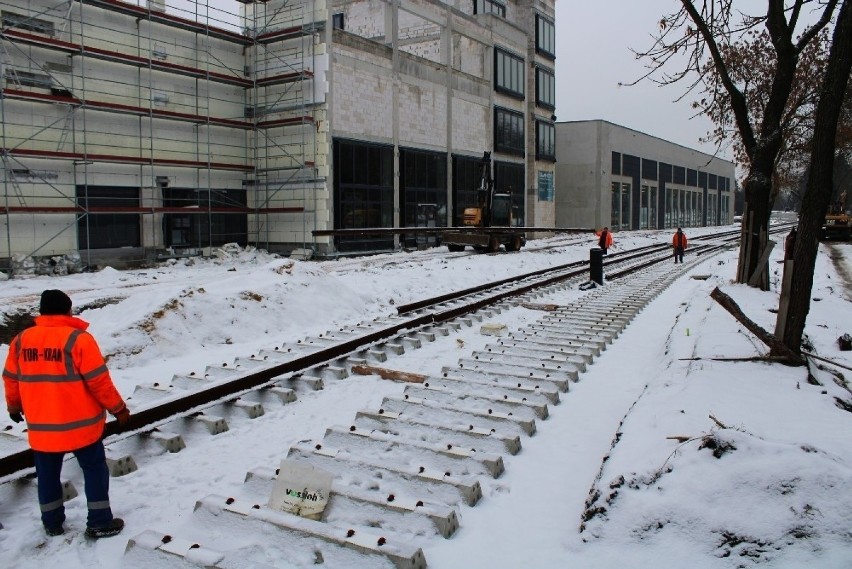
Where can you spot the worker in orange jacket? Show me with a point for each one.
(604, 239)
(56, 377)
(679, 244)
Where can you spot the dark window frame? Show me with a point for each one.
(545, 37)
(29, 79)
(108, 230)
(338, 21)
(545, 84)
(489, 7)
(545, 141)
(510, 176)
(507, 139)
(508, 63)
(362, 192)
(205, 230)
(29, 23)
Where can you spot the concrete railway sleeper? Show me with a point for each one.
(434, 440)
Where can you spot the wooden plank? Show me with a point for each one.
(391, 374)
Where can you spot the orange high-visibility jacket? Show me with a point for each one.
(682, 240)
(55, 374)
(608, 242)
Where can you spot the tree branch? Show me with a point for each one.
(775, 345)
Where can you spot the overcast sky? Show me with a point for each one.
(593, 41)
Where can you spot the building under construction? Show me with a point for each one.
(136, 132)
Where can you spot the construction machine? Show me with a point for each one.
(493, 219)
(838, 221)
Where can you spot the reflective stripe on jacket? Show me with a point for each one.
(682, 240)
(56, 375)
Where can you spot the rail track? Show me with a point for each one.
(403, 470)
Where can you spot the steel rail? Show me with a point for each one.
(148, 419)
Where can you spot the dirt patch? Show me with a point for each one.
(13, 323)
(843, 271)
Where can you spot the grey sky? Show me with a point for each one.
(593, 41)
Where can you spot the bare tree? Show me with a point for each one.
(704, 30)
(819, 188)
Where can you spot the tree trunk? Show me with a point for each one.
(819, 185)
(755, 226)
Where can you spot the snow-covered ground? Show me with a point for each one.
(661, 455)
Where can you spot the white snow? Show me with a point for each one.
(778, 495)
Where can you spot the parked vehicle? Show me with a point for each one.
(838, 221)
(493, 214)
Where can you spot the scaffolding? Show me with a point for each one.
(132, 132)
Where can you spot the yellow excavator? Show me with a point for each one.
(838, 222)
(493, 214)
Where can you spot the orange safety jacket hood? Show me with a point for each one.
(55, 374)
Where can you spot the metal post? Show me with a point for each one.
(596, 265)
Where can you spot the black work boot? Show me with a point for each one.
(113, 528)
(53, 532)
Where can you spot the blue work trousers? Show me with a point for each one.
(92, 460)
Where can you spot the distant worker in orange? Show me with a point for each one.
(56, 377)
(604, 239)
(679, 244)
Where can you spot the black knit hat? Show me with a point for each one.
(54, 302)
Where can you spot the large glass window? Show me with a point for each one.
(423, 186)
(545, 136)
(545, 36)
(625, 207)
(615, 205)
(652, 208)
(467, 178)
(508, 131)
(205, 229)
(643, 207)
(545, 88)
(667, 208)
(22, 22)
(509, 177)
(489, 7)
(108, 228)
(508, 73)
(363, 192)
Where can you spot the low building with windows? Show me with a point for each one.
(131, 129)
(610, 175)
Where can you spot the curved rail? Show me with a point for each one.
(410, 318)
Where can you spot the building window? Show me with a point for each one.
(545, 88)
(545, 37)
(467, 178)
(489, 7)
(508, 131)
(107, 229)
(13, 20)
(27, 79)
(545, 141)
(363, 192)
(337, 21)
(509, 178)
(199, 229)
(423, 190)
(508, 73)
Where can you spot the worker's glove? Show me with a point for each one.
(123, 417)
(17, 417)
